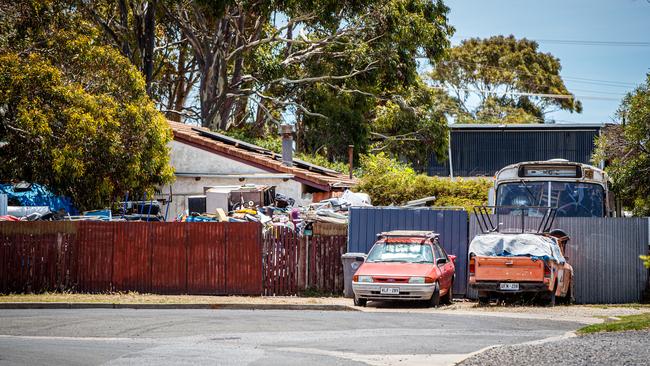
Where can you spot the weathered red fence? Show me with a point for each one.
(168, 258)
(293, 263)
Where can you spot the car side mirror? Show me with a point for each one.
(360, 259)
(452, 257)
(441, 261)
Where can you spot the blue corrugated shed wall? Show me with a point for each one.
(367, 222)
(482, 153)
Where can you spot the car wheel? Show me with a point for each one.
(484, 300)
(551, 299)
(360, 302)
(435, 298)
(447, 299)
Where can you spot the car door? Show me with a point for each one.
(446, 269)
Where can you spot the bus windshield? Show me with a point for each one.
(570, 198)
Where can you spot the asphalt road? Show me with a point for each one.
(231, 337)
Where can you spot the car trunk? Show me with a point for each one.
(506, 269)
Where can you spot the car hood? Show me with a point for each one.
(395, 269)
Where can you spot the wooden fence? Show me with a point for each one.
(293, 263)
(166, 258)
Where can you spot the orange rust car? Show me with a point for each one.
(502, 264)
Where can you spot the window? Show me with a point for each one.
(440, 253)
(401, 252)
(572, 199)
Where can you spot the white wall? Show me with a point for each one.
(189, 159)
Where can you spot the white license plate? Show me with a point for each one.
(389, 291)
(509, 286)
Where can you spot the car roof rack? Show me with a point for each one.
(401, 233)
(485, 215)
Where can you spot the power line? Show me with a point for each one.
(594, 43)
(580, 42)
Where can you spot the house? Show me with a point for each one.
(202, 159)
(482, 149)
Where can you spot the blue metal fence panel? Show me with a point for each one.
(603, 251)
(367, 222)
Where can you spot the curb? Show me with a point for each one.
(233, 306)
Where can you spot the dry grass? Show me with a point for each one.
(138, 298)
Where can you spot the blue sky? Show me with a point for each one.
(595, 20)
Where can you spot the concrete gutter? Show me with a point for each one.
(229, 306)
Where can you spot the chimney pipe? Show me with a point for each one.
(351, 158)
(286, 130)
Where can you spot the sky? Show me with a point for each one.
(602, 74)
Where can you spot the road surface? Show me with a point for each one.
(232, 337)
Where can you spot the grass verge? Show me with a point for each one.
(626, 322)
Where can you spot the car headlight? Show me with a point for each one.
(362, 278)
(420, 280)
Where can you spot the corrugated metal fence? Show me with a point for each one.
(367, 222)
(604, 253)
(167, 258)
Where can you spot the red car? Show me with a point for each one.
(405, 265)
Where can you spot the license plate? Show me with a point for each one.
(389, 291)
(509, 286)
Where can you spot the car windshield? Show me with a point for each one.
(401, 252)
(571, 199)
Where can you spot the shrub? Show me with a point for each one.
(389, 182)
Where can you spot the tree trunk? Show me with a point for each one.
(149, 42)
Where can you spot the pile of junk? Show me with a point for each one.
(34, 202)
(241, 203)
(260, 203)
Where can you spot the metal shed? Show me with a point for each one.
(482, 149)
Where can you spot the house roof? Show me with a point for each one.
(528, 126)
(309, 174)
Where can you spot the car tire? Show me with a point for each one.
(449, 296)
(483, 300)
(435, 297)
(551, 299)
(360, 302)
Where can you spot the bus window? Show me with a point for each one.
(570, 199)
(577, 199)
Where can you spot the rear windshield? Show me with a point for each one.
(400, 252)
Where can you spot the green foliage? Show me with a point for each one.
(390, 97)
(75, 115)
(502, 65)
(389, 182)
(646, 260)
(626, 149)
(626, 322)
(413, 128)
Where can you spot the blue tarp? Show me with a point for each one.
(37, 195)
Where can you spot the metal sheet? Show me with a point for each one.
(243, 259)
(169, 257)
(367, 222)
(604, 253)
(131, 256)
(93, 253)
(482, 153)
(206, 258)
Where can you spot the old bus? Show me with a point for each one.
(574, 189)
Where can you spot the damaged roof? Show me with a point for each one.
(309, 174)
